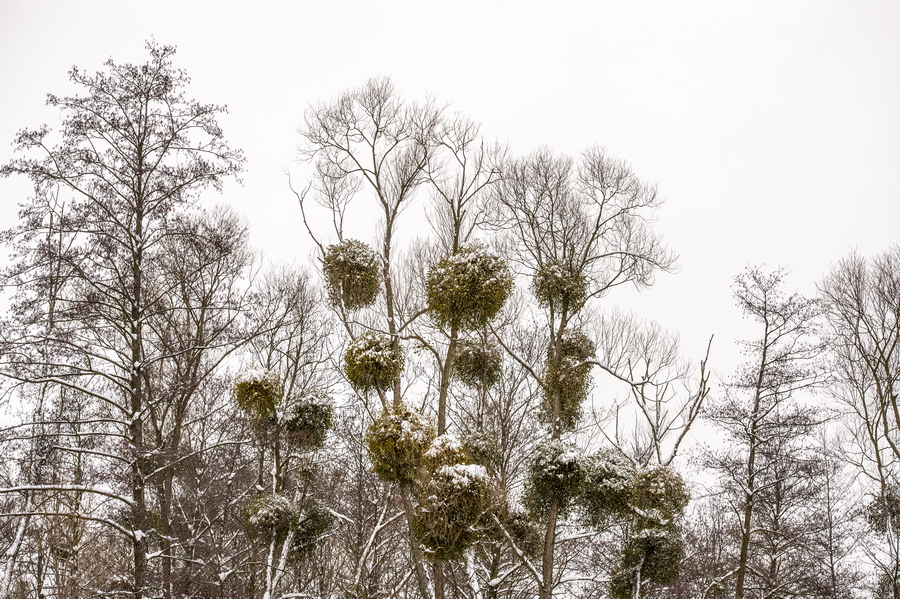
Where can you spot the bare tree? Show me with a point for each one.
(839, 532)
(861, 299)
(767, 467)
(667, 400)
(134, 151)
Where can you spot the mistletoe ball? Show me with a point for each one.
(654, 554)
(372, 362)
(270, 513)
(608, 486)
(660, 495)
(313, 521)
(454, 499)
(397, 441)
(568, 377)
(478, 365)
(559, 285)
(468, 288)
(308, 419)
(257, 392)
(351, 271)
(556, 472)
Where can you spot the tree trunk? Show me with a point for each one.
(418, 558)
(438, 579)
(546, 590)
(750, 495)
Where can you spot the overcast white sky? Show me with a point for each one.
(771, 127)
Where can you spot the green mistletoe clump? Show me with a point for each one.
(655, 554)
(308, 419)
(483, 447)
(568, 377)
(257, 392)
(453, 500)
(397, 441)
(654, 551)
(372, 362)
(555, 473)
(478, 365)
(351, 271)
(659, 496)
(456, 499)
(467, 289)
(880, 511)
(314, 521)
(559, 286)
(271, 515)
(608, 487)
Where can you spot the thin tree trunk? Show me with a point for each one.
(750, 495)
(546, 590)
(418, 558)
(438, 579)
(441, 429)
(12, 553)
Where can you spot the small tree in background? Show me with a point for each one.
(769, 430)
(288, 402)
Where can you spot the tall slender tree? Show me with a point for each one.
(767, 467)
(93, 249)
(370, 142)
(578, 230)
(862, 300)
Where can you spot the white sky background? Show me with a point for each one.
(771, 127)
